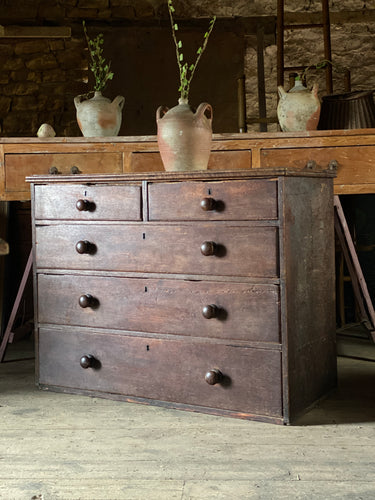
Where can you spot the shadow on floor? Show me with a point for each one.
(354, 399)
(352, 402)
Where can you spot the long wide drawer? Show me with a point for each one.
(85, 202)
(196, 308)
(153, 248)
(231, 200)
(164, 370)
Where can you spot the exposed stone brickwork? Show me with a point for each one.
(40, 77)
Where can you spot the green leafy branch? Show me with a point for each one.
(322, 65)
(100, 69)
(187, 71)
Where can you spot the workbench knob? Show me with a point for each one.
(210, 311)
(87, 300)
(213, 377)
(87, 361)
(74, 170)
(84, 246)
(208, 204)
(83, 205)
(208, 248)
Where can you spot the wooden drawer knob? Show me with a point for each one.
(74, 170)
(87, 361)
(53, 171)
(87, 300)
(85, 206)
(213, 377)
(208, 204)
(210, 311)
(208, 248)
(85, 246)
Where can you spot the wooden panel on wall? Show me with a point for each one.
(146, 73)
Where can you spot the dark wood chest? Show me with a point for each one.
(210, 291)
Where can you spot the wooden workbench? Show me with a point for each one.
(353, 150)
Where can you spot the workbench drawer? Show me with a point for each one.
(153, 248)
(18, 166)
(355, 164)
(231, 200)
(85, 202)
(146, 161)
(222, 310)
(244, 379)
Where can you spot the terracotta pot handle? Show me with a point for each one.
(160, 112)
(119, 101)
(315, 89)
(201, 110)
(281, 92)
(78, 99)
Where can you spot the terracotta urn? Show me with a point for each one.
(298, 109)
(184, 136)
(98, 116)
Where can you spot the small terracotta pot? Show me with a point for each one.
(98, 116)
(184, 136)
(298, 109)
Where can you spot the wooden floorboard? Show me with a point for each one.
(66, 447)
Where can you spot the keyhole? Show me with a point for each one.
(209, 191)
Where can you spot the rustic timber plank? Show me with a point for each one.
(35, 32)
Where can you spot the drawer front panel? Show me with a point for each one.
(144, 161)
(18, 166)
(239, 311)
(165, 370)
(356, 165)
(82, 202)
(152, 248)
(230, 200)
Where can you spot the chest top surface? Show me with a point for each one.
(205, 175)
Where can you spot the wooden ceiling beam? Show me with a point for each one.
(362, 16)
(35, 32)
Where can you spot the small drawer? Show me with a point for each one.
(245, 380)
(18, 166)
(85, 202)
(231, 200)
(219, 310)
(153, 248)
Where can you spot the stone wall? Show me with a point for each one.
(353, 47)
(40, 77)
(37, 83)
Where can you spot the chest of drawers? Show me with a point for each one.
(206, 291)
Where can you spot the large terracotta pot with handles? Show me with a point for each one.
(184, 136)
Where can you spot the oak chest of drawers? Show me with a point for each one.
(207, 291)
